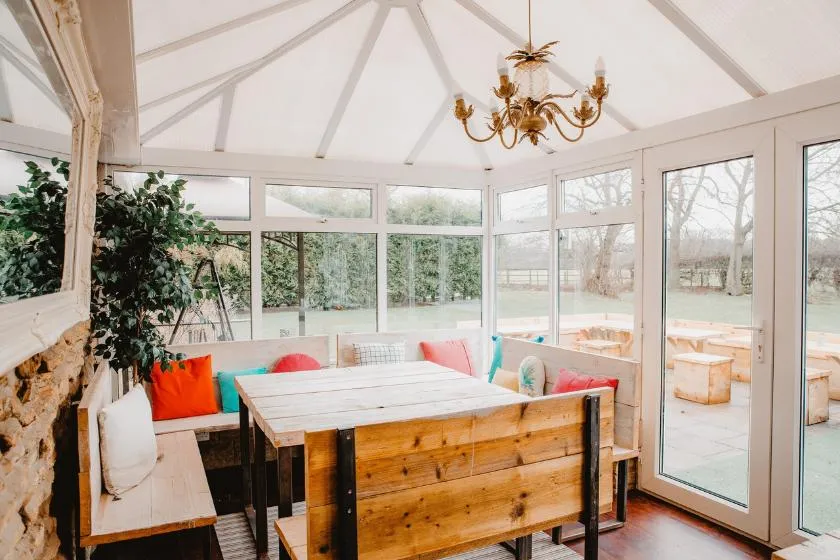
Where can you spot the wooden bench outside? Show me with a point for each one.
(816, 405)
(739, 350)
(174, 497)
(703, 378)
(433, 487)
(601, 347)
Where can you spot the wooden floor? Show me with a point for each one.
(654, 531)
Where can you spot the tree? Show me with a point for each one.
(740, 173)
(682, 189)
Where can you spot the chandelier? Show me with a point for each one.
(529, 108)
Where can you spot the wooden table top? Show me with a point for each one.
(287, 405)
(692, 334)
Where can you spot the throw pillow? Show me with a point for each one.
(227, 388)
(507, 379)
(295, 362)
(373, 353)
(185, 389)
(127, 441)
(531, 376)
(497, 353)
(454, 354)
(570, 381)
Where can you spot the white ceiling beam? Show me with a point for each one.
(250, 68)
(430, 130)
(705, 43)
(353, 79)
(30, 75)
(222, 128)
(432, 47)
(5, 103)
(189, 89)
(178, 44)
(518, 40)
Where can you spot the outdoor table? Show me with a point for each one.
(285, 406)
(686, 340)
(618, 331)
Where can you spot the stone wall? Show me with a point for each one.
(38, 462)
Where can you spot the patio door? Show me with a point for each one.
(708, 318)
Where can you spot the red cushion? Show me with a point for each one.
(454, 354)
(295, 362)
(185, 389)
(570, 381)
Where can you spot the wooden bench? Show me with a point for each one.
(601, 347)
(627, 404)
(703, 378)
(174, 497)
(412, 340)
(238, 355)
(740, 350)
(433, 487)
(816, 405)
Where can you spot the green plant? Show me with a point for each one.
(32, 234)
(138, 276)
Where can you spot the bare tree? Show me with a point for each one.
(740, 173)
(682, 189)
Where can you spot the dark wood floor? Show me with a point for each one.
(654, 531)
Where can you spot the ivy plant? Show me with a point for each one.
(32, 233)
(138, 278)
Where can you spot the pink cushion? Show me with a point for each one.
(295, 362)
(454, 354)
(570, 381)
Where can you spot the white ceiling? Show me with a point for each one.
(372, 80)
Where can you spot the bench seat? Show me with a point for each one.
(219, 422)
(622, 454)
(174, 497)
(292, 531)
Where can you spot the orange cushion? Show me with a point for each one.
(454, 354)
(185, 391)
(295, 362)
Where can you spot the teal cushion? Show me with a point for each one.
(230, 398)
(497, 353)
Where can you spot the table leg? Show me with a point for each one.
(284, 490)
(260, 510)
(245, 454)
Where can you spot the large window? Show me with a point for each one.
(216, 197)
(523, 298)
(434, 206)
(318, 283)
(820, 484)
(434, 281)
(523, 204)
(295, 201)
(595, 192)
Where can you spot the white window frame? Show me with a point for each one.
(337, 222)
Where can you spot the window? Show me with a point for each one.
(216, 197)
(333, 275)
(821, 374)
(594, 192)
(434, 282)
(221, 268)
(434, 206)
(596, 273)
(523, 204)
(295, 201)
(523, 300)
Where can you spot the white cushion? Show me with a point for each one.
(127, 441)
(531, 376)
(372, 353)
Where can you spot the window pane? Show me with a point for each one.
(523, 301)
(821, 385)
(18, 242)
(434, 282)
(604, 190)
(295, 201)
(338, 284)
(217, 198)
(707, 359)
(596, 275)
(434, 206)
(213, 319)
(523, 204)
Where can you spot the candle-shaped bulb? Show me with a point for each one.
(501, 65)
(600, 67)
(585, 99)
(458, 94)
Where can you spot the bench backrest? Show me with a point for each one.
(628, 397)
(431, 487)
(96, 396)
(412, 340)
(246, 354)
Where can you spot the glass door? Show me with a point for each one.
(708, 316)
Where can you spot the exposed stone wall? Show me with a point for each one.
(37, 455)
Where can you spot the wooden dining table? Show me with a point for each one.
(285, 406)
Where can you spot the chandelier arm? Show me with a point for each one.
(555, 108)
(513, 143)
(567, 138)
(475, 139)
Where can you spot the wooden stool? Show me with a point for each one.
(816, 407)
(602, 347)
(703, 378)
(740, 351)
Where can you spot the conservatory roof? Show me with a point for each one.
(372, 80)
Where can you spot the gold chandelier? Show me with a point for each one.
(528, 105)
